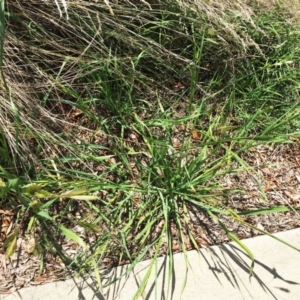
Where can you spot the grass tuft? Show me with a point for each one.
(118, 119)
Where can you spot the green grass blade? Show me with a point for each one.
(234, 238)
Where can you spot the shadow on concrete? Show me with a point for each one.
(91, 284)
(168, 280)
(225, 260)
(241, 260)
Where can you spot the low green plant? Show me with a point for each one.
(133, 115)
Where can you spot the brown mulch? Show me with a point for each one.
(272, 180)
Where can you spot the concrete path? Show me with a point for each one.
(216, 273)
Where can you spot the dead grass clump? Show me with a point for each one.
(49, 61)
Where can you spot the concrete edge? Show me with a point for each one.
(217, 272)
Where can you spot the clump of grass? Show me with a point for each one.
(131, 113)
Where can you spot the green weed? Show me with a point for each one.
(120, 119)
